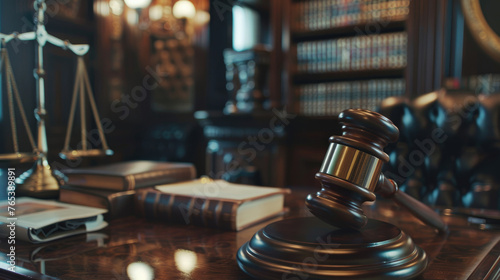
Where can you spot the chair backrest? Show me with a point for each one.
(448, 153)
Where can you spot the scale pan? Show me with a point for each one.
(73, 154)
(13, 158)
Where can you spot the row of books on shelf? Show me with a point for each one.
(384, 51)
(328, 99)
(324, 14)
(482, 84)
(163, 192)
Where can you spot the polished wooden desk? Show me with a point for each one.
(189, 252)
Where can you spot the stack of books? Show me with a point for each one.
(113, 186)
(158, 191)
(170, 192)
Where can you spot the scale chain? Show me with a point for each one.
(82, 85)
(93, 106)
(13, 92)
(11, 106)
(83, 117)
(72, 110)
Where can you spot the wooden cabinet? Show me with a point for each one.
(245, 148)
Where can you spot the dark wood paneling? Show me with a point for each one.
(275, 66)
(427, 29)
(220, 38)
(475, 60)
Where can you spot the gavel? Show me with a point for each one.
(351, 173)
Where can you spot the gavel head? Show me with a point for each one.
(351, 168)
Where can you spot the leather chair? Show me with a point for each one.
(448, 153)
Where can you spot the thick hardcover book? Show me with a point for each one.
(130, 175)
(36, 220)
(211, 203)
(118, 203)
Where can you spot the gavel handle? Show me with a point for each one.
(389, 189)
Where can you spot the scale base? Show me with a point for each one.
(307, 248)
(40, 182)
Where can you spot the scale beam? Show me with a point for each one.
(41, 36)
(28, 36)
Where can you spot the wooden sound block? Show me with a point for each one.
(308, 248)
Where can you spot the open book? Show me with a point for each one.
(36, 220)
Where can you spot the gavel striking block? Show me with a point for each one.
(340, 242)
(351, 173)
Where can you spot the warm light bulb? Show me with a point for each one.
(155, 12)
(184, 9)
(140, 271)
(185, 260)
(201, 17)
(137, 4)
(116, 7)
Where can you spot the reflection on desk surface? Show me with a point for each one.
(132, 247)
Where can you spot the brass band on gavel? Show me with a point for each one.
(352, 165)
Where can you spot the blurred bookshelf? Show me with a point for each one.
(315, 15)
(345, 54)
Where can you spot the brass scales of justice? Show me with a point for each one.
(41, 181)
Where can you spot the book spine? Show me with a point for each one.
(80, 198)
(159, 177)
(117, 204)
(157, 206)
